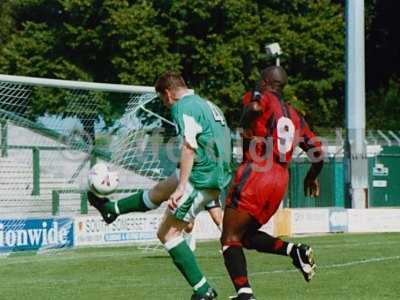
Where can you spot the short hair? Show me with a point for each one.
(169, 80)
(276, 76)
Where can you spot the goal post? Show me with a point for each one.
(76, 85)
(52, 130)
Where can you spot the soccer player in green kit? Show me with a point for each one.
(204, 172)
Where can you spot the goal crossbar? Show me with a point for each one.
(80, 85)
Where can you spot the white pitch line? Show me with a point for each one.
(360, 262)
(347, 264)
(323, 246)
(122, 281)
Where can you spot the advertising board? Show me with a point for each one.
(35, 234)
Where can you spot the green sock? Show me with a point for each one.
(185, 261)
(131, 203)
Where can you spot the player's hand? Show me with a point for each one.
(311, 187)
(175, 197)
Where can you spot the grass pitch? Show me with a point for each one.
(350, 266)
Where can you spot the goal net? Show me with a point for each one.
(53, 130)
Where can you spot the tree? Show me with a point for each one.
(383, 107)
(217, 44)
(311, 34)
(382, 60)
(222, 48)
(140, 45)
(87, 40)
(382, 43)
(6, 21)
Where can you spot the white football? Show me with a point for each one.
(102, 180)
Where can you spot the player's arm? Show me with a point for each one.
(313, 148)
(252, 108)
(250, 112)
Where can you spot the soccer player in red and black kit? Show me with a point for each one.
(272, 129)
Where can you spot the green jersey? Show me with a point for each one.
(203, 126)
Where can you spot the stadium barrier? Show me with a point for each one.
(299, 221)
(384, 178)
(132, 228)
(35, 234)
(41, 234)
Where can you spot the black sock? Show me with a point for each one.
(235, 262)
(263, 242)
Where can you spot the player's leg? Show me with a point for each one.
(302, 255)
(170, 234)
(235, 225)
(189, 237)
(215, 211)
(261, 241)
(140, 201)
(236, 221)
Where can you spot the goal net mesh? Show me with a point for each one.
(52, 131)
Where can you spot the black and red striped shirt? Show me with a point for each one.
(279, 127)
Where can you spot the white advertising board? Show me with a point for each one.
(133, 228)
(269, 227)
(310, 220)
(374, 220)
(142, 227)
(129, 228)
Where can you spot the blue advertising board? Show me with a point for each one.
(35, 234)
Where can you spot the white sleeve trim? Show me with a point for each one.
(192, 129)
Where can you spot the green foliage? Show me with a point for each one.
(311, 34)
(224, 46)
(141, 47)
(31, 52)
(212, 43)
(217, 45)
(383, 109)
(6, 21)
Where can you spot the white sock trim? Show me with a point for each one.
(147, 201)
(200, 284)
(172, 243)
(245, 290)
(289, 248)
(116, 208)
(224, 248)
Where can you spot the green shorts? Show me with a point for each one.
(192, 202)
